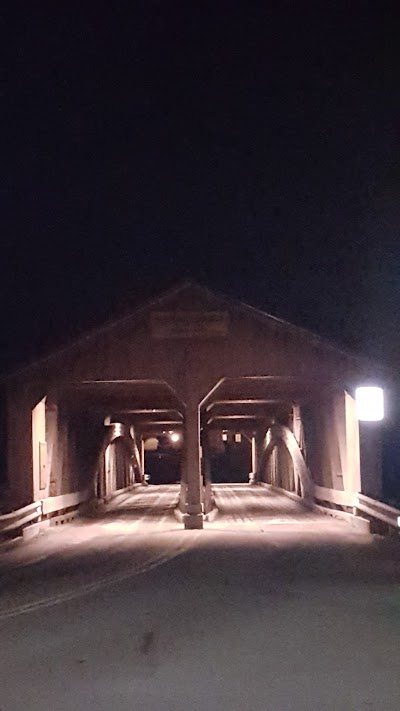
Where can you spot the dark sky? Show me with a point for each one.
(251, 146)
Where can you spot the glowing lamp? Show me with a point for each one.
(175, 436)
(151, 444)
(224, 436)
(238, 437)
(370, 404)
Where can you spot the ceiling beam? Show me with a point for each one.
(151, 411)
(154, 423)
(236, 417)
(244, 401)
(230, 418)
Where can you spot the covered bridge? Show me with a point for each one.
(204, 369)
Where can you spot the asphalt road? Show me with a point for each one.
(267, 608)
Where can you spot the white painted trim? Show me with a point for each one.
(335, 496)
(361, 524)
(65, 501)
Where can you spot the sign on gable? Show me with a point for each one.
(189, 324)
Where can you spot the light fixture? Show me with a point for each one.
(151, 444)
(224, 436)
(370, 404)
(238, 437)
(175, 436)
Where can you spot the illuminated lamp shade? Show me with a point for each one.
(370, 404)
(151, 444)
(224, 436)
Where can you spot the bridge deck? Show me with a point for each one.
(264, 609)
(152, 506)
(256, 508)
(239, 506)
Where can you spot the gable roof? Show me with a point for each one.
(208, 295)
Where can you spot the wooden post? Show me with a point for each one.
(193, 517)
(252, 477)
(142, 458)
(19, 448)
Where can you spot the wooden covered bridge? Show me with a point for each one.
(203, 370)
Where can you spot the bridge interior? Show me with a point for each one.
(127, 434)
(124, 424)
(132, 433)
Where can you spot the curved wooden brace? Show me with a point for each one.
(265, 457)
(132, 451)
(283, 433)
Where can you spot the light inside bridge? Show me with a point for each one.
(370, 404)
(175, 436)
(151, 444)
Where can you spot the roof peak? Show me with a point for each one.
(147, 304)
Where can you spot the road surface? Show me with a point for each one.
(268, 608)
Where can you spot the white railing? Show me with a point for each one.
(19, 518)
(65, 501)
(38, 510)
(377, 509)
(334, 496)
(373, 508)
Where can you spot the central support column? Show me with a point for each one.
(193, 516)
(142, 460)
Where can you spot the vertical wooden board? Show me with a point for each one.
(42, 465)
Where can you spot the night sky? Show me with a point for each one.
(253, 147)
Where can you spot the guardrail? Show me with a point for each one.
(334, 496)
(41, 510)
(65, 501)
(359, 502)
(18, 519)
(356, 521)
(377, 509)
